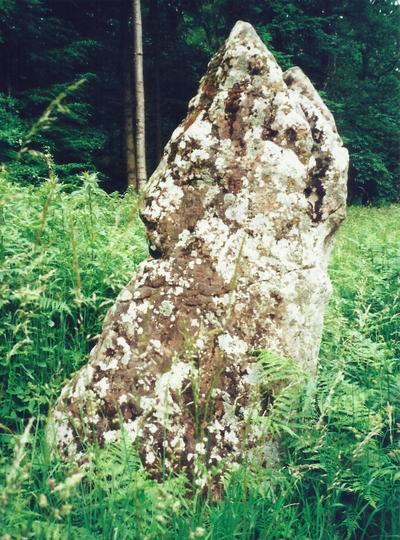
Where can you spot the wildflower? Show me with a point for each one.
(176, 506)
(66, 509)
(51, 483)
(197, 533)
(65, 487)
(43, 500)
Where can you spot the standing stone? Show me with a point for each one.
(240, 216)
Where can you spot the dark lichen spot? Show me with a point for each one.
(130, 411)
(315, 185)
(173, 150)
(316, 135)
(235, 181)
(291, 135)
(308, 191)
(277, 297)
(155, 252)
(232, 104)
(268, 133)
(236, 102)
(150, 225)
(289, 80)
(255, 66)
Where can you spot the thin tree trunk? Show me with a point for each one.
(129, 134)
(130, 157)
(140, 108)
(155, 16)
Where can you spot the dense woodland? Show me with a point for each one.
(349, 49)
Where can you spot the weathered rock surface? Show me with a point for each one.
(240, 215)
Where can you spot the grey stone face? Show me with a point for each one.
(240, 215)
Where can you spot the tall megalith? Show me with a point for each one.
(240, 216)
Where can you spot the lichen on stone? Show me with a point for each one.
(240, 216)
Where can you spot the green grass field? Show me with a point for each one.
(63, 257)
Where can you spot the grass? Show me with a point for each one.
(64, 256)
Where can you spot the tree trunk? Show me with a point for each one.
(140, 108)
(156, 46)
(129, 143)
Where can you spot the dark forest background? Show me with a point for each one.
(349, 49)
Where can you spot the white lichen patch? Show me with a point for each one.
(111, 363)
(173, 379)
(254, 375)
(156, 343)
(83, 381)
(201, 131)
(102, 387)
(150, 458)
(61, 430)
(166, 308)
(125, 296)
(210, 195)
(232, 345)
(239, 211)
(183, 238)
(169, 198)
(111, 436)
(200, 155)
(126, 350)
(200, 344)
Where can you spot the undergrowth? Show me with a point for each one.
(64, 256)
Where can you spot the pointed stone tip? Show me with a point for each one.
(243, 28)
(244, 34)
(297, 80)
